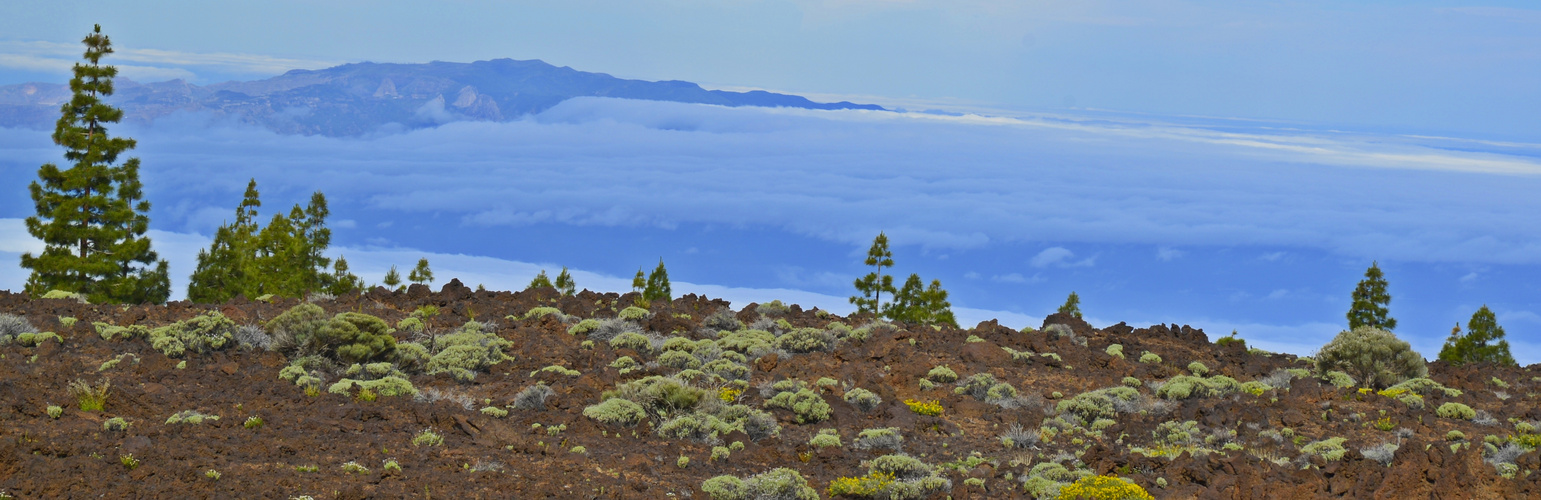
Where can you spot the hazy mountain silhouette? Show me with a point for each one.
(355, 99)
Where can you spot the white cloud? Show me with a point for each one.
(1278, 294)
(156, 64)
(1271, 256)
(1168, 254)
(346, 224)
(1009, 278)
(1050, 256)
(1060, 257)
(1469, 278)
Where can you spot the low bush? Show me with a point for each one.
(1115, 350)
(90, 398)
(1150, 358)
(190, 417)
(1376, 357)
(1330, 448)
(942, 375)
(802, 340)
(826, 438)
(533, 397)
(1198, 368)
(1456, 411)
(879, 438)
(201, 334)
(1103, 488)
(863, 399)
(776, 484)
(1186, 386)
(806, 405)
(616, 411)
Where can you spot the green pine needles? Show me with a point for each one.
(1072, 305)
(875, 283)
(1483, 343)
(914, 303)
(1370, 300)
(421, 274)
(657, 285)
(283, 258)
(92, 216)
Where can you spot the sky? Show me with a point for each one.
(1230, 165)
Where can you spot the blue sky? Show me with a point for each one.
(1221, 164)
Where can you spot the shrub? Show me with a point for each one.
(390, 386)
(54, 412)
(1423, 386)
(356, 338)
(115, 424)
(723, 320)
(410, 324)
(977, 385)
(930, 408)
(888, 437)
(863, 399)
(727, 369)
(427, 437)
(1455, 436)
(1330, 448)
(1150, 358)
(1376, 357)
(633, 313)
(210, 331)
(1115, 350)
(533, 397)
(108, 331)
(1103, 488)
(826, 438)
(1198, 368)
(679, 359)
(1339, 379)
(35, 339)
(90, 398)
(253, 337)
(190, 417)
(1382, 453)
(585, 326)
(296, 326)
(805, 340)
(616, 411)
(1185, 386)
(253, 422)
(466, 352)
(12, 325)
(536, 312)
(760, 425)
(746, 341)
(942, 375)
(805, 404)
(631, 340)
(1455, 410)
(776, 484)
(1132, 382)
(1100, 403)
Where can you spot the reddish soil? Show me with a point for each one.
(74, 457)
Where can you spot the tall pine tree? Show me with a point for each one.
(1072, 305)
(222, 270)
(540, 281)
(92, 217)
(875, 283)
(1483, 343)
(421, 274)
(565, 283)
(1370, 301)
(392, 279)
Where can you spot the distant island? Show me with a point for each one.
(356, 99)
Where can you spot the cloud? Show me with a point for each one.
(1278, 294)
(154, 64)
(1469, 278)
(1167, 254)
(1271, 256)
(1060, 257)
(345, 223)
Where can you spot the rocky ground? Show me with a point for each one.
(1272, 438)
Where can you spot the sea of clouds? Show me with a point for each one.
(1027, 203)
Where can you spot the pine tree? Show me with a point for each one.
(638, 282)
(421, 274)
(565, 284)
(342, 281)
(938, 309)
(393, 279)
(222, 268)
(874, 284)
(314, 237)
(1072, 305)
(1483, 343)
(92, 217)
(1370, 300)
(916, 303)
(540, 281)
(657, 287)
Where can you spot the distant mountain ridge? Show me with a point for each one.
(359, 98)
